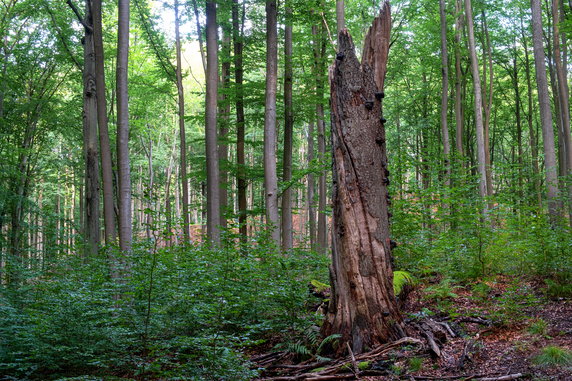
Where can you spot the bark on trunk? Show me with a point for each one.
(363, 308)
(481, 149)
(444, 91)
(458, 79)
(182, 134)
(90, 140)
(270, 177)
(213, 174)
(123, 165)
(545, 111)
(105, 148)
(563, 98)
(287, 235)
(240, 158)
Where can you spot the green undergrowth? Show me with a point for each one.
(176, 313)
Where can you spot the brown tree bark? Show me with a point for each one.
(481, 148)
(458, 79)
(90, 138)
(311, 189)
(224, 109)
(211, 141)
(445, 92)
(563, 97)
(363, 308)
(240, 158)
(182, 134)
(545, 111)
(529, 118)
(105, 148)
(287, 234)
(270, 177)
(487, 103)
(319, 53)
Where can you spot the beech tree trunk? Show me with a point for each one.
(545, 111)
(458, 79)
(182, 134)
(287, 236)
(363, 308)
(240, 159)
(563, 97)
(213, 174)
(444, 91)
(270, 177)
(105, 148)
(123, 166)
(481, 147)
(90, 139)
(319, 53)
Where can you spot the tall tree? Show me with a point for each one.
(287, 234)
(123, 162)
(90, 136)
(481, 156)
(458, 79)
(363, 308)
(270, 177)
(563, 98)
(444, 89)
(545, 111)
(240, 158)
(105, 148)
(182, 132)
(319, 53)
(211, 104)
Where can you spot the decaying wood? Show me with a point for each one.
(363, 308)
(376, 45)
(502, 378)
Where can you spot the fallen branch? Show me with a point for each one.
(501, 378)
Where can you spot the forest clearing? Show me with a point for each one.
(294, 190)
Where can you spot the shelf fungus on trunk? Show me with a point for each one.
(363, 308)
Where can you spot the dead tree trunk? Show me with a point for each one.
(363, 307)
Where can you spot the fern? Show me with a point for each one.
(330, 339)
(400, 280)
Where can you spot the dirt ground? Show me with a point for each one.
(496, 329)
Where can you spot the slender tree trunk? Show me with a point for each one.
(200, 34)
(363, 308)
(563, 97)
(240, 158)
(90, 139)
(340, 15)
(123, 165)
(529, 119)
(105, 148)
(481, 153)
(287, 235)
(270, 177)
(487, 104)
(445, 92)
(225, 119)
(211, 103)
(311, 188)
(168, 207)
(182, 133)
(518, 107)
(458, 79)
(545, 112)
(319, 52)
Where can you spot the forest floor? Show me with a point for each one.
(491, 330)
